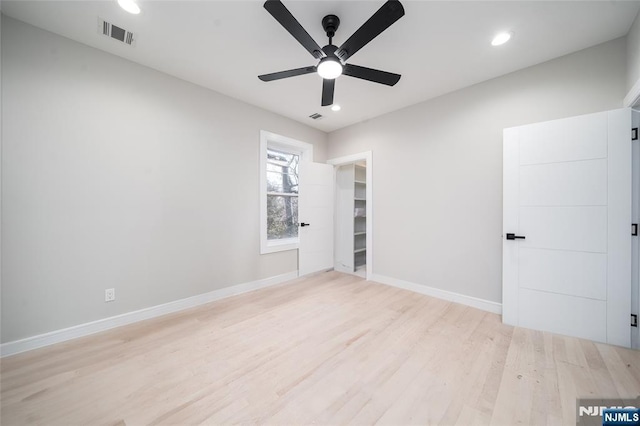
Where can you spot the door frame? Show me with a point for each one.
(366, 156)
(635, 218)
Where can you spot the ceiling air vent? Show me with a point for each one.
(315, 116)
(115, 32)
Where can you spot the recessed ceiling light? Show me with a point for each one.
(501, 38)
(130, 6)
(335, 107)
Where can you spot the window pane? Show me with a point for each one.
(282, 217)
(282, 172)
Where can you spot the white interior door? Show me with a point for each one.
(344, 217)
(315, 213)
(567, 191)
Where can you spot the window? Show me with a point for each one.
(280, 160)
(282, 195)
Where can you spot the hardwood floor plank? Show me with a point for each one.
(331, 348)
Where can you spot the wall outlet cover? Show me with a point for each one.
(110, 294)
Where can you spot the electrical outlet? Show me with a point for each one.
(110, 295)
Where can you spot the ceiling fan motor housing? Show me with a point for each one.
(330, 51)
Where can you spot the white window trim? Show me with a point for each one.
(275, 141)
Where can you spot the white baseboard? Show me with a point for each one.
(485, 305)
(39, 341)
(633, 97)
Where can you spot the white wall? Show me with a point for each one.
(0, 163)
(116, 175)
(633, 54)
(437, 176)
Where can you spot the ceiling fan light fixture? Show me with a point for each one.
(130, 6)
(333, 59)
(330, 68)
(501, 38)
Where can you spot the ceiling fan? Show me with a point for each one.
(333, 59)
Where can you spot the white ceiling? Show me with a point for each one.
(438, 47)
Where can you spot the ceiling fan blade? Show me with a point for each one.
(370, 74)
(389, 13)
(291, 24)
(287, 74)
(327, 91)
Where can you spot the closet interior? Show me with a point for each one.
(351, 218)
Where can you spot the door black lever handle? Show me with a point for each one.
(514, 237)
(305, 224)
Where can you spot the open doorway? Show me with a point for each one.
(353, 214)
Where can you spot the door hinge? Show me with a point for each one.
(634, 320)
(634, 134)
(634, 229)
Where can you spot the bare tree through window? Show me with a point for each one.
(282, 195)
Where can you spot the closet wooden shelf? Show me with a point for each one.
(351, 202)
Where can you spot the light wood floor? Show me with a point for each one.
(330, 349)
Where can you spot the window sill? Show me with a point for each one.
(279, 245)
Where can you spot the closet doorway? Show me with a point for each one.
(353, 218)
